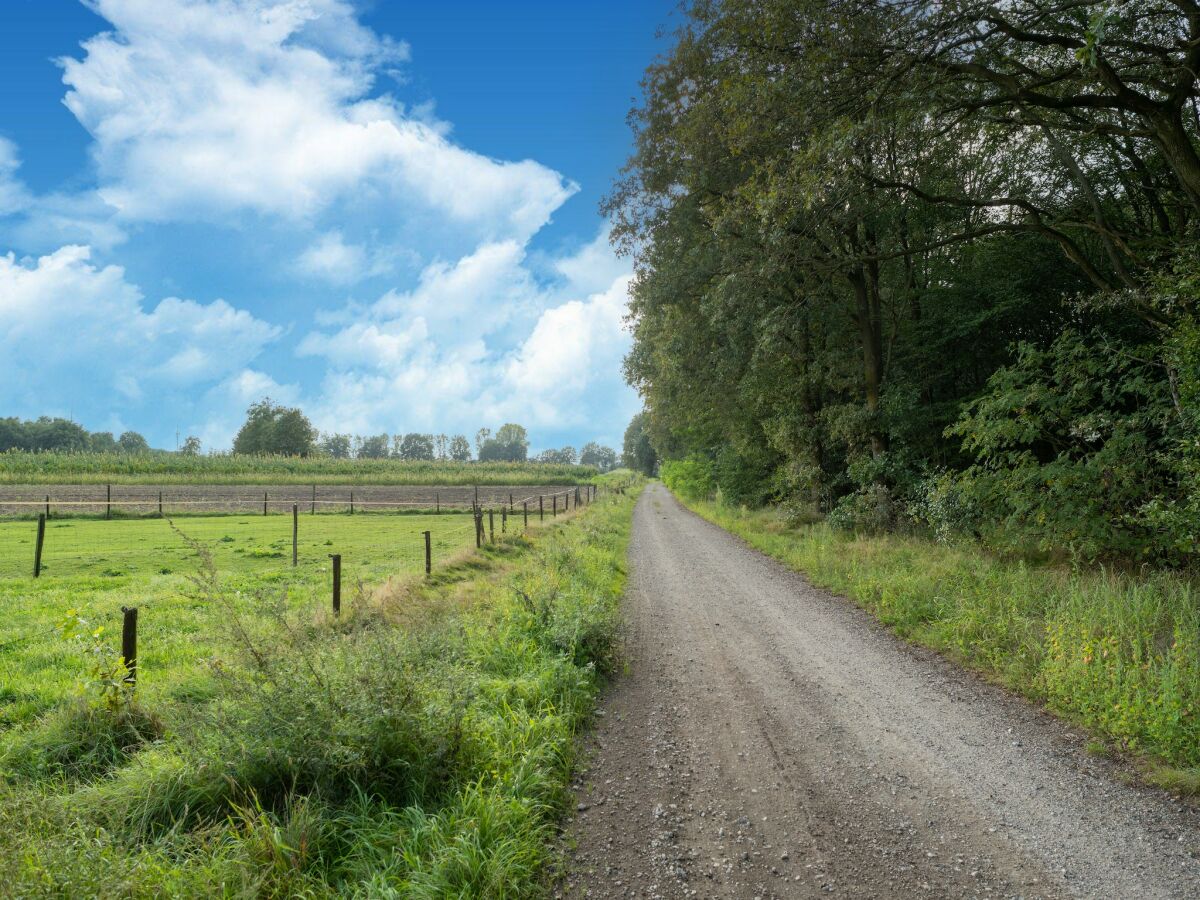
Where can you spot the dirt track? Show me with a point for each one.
(771, 740)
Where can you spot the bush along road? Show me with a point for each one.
(774, 740)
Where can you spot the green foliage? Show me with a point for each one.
(1072, 442)
(460, 449)
(416, 447)
(277, 430)
(132, 442)
(594, 454)
(564, 456)
(691, 478)
(51, 435)
(337, 446)
(847, 241)
(511, 444)
(638, 453)
(376, 446)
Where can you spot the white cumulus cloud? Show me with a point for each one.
(74, 333)
(200, 108)
(484, 340)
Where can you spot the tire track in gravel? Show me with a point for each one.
(772, 740)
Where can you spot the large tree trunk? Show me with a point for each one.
(870, 331)
(1176, 145)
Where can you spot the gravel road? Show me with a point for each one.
(771, 740)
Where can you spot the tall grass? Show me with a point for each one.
(1119, 653)
(419, 746)
(20, 467)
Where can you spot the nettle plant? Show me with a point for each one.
(107, 683)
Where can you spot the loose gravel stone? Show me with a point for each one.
(798, 722)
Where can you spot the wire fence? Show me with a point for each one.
(124, 500)
(372, 535)
(118, 575)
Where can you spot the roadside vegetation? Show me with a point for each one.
(1117, 652)
(418, 745)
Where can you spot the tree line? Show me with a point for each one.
(273, 429)
(927, 264)
(47, 434)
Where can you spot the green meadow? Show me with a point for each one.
(94, 567)
(419, 744)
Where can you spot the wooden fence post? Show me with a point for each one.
(129, 642)
(503, 520)
(437, 502)
(160, 504)
(314, 501)
(337, 583)
(47, 506)
(37, 550)
(525, 512)
(541, 508)
(295, 533)
(108, 501)
(352, 503)
(264, 503)
(428, 554)
(510, 503)
(555, 499)
(492, 525)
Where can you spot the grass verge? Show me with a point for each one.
(1117, 653)
(418, 746)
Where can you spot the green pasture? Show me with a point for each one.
(94, 567)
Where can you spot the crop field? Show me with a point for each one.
(19, 467)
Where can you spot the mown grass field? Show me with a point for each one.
(417, 745)
(1118, 653)
(17, 467)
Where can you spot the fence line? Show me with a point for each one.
(420, 547)
(365, 497)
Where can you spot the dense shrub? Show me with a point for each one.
(1072, 443)
(691, 477)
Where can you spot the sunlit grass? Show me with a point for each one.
(419, 745)
(95, 567)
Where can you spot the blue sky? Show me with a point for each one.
(383, 212)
